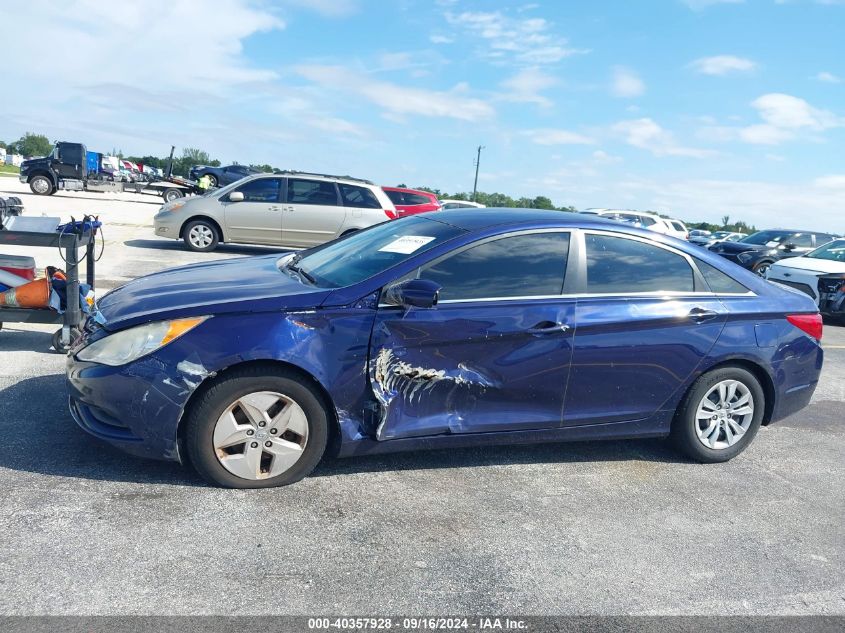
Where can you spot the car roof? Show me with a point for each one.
(303, 174)
(406, 190)
(470, 219)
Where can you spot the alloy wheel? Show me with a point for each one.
(201, 236)
(260, 435)
(724, 414)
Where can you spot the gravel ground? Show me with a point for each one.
(603, 527)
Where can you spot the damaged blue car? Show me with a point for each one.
(443, 330)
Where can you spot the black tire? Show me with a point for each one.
(212, 180)
(193, 231)
(41, 186)
(762, 267)
(56, 340)
(204, 413)
(683, 433)
(170, 195)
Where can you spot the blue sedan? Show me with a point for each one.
(443, 330)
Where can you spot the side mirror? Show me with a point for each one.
(236, 196)
(419, 293)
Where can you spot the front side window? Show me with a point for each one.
(516, 266)
(261, 190)
(360, 197)
(618, 265)
(302, 191)
(802, 240)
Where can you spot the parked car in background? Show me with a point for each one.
(221, 176)
(819, 274)
(717, 236)
(442, 330)
(676, 228)
(460, 204)
(758, 251)
(699, 233)
(639, 219)
(411, 201)
(291, 209)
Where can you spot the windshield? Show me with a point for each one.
(366, 253)
(766, 237)
(720, 234)
(834, 251)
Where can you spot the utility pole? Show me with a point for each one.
(477, 164)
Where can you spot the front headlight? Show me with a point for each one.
(128, 345)
(746, 256)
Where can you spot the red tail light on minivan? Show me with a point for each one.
(810, 324)
(390, 213)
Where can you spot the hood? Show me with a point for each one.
(739, 247)
(246, 284)
(813, 264)
(33, 161)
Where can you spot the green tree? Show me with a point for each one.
(542, 202)
(31, 145)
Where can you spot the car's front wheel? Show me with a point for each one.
(257, 428)
(201, 236)
(720, 415)
(762, 268)
(212, 180)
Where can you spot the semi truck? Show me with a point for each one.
(71, 167)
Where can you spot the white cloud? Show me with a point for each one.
(785, 111)
(836, 181)
(549, 136)
(626, 83)
(526, 86)
(441, 39)
(526, 40)
(648, 135)
(328, 8)
(603, 158)
(828, 78)
(396, 99)
(722, 65)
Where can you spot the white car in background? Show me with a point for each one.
(460, 204)
(820, 274)
(289, 208)
(643, 220)
(676, 228)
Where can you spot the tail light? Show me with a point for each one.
(810, 324)
(390, 213)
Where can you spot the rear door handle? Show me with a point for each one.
(699, 315)
(548, 327)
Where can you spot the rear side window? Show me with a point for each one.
(396, 197)
(678, 226)
(261, 190)
(517, 266)
(361, 197)
(415, 198)
(311, 192)
(617, 265)
(718, 281)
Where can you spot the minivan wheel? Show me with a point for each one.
(257, 428)
(719, 416)
(200, 236)
(41, 185)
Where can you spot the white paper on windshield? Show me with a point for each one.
(406, 244)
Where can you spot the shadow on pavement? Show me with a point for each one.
(13, 339)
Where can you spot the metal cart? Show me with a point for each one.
(71, 244)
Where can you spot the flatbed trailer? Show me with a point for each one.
(168, 188)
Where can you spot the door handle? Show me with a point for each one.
(699, 315)
(548, 327)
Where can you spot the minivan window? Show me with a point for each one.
(517, 266)
(302, 191)
(617, 265)
(261, 190)
(361, 197)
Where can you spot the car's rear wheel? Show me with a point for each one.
(720, 415)
(200, 236)
(257, 428)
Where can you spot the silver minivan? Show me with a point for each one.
(294, 209)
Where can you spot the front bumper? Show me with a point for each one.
(165, 226)
(136, 407)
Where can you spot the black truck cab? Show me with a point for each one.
(65, 168)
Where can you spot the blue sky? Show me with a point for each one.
(697, 108)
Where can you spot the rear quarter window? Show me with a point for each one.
(360, 197)
(719, 282)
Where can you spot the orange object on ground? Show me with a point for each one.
(35, 294)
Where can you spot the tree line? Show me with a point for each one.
(31, 144)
